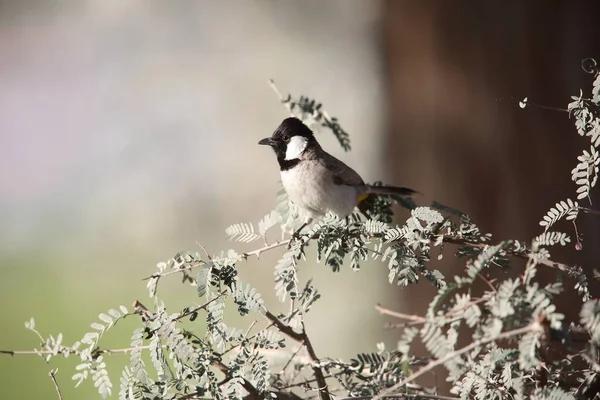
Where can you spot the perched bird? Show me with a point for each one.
(315, 181)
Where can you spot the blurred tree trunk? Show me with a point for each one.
(455, 72)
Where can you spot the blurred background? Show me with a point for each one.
(129, 130)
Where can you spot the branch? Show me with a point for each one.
(304, 340)
(533, 327)
(321, 382)
(285, 329)
(294, 354)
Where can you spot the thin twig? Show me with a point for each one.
(278, 93)
(52, 374)
(386, 311)
(265, 248)
(69, 351)
(487, 281)
(205, 251)
(294, 354)
(533, 327)
(543, 107)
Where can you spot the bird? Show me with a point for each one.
(314, 180)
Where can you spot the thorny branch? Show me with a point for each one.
(268, 247)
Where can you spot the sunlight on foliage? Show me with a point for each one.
(491, 339)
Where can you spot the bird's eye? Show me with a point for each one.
(285, 138)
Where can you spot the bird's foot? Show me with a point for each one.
(296, 235)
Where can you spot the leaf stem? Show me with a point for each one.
(52, 374)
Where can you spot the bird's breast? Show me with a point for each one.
(312, 189)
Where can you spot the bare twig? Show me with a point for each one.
(205, 251)
(25, 352)
(533, 327)
(386, 311)
(487, 281)
(278, 93)
(69, 351)
(52, 374)
(265, 248)
(294, 354)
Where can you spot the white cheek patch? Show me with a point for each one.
(295, 147)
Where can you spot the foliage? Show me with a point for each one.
(509, 326)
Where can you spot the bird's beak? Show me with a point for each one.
(266, 141)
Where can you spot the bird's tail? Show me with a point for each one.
(400, 191)
(383, 189)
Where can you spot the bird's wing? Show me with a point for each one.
(341, 173)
